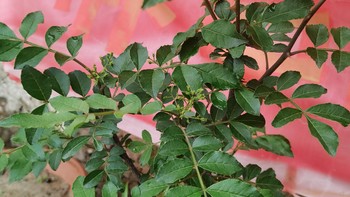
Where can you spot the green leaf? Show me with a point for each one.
(263, 91)
(173, 148)
(80, 82)
(276, 98)
(219, 162)
(9, 49)
(80, 191)
(219, 100)
(69, 104)
(30, 23)
(197, 129)
(223, 10)
(325, 135)
(187, 78)
(77, 122)
(150, 188)
(74, 44)
(126, 78)
(237, 52)
(137, 147)
(46, 120)
(74, 146)
(318, 34)
(93, 178)
(132, 104)
(191, 46)
(151, 81)
(222, 34)
(150, 3)
(138, 55)
(174, 170)
(281, 27)
(164, 54)
(146, 156)
(6, 32)
(309, 91)
(98, 101)
(255, 10)
(109, 190)
(260, 36)
(30, 153)
(3, 162)
(147, 136)
(30, 56)
(247, 101)
(251, 171)
(121, 63)
(185, 191)
(35, 83)
(287, 80)
(250, 62)
(19, 170)
(267, 180)
(94, 163)
(151, 108)
(231, 188)
(279, 48)
(276, 144)
(341, 60)
(280, 37)
(55, 159)
(61, 59)
(288, 10)
(241, 132)
(217, 75)
(318, 55)
(251, 120)
(59, 80)
(332, 112)
(341, 36)
(285, 116)
(53, 34)
(206, 143)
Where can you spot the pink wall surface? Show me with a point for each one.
(111, 25)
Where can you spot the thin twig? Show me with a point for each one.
(210, 9)
(126, 158)
(305, 51)
(54, 51)
(238, 15)
(266, 60)
(286, 53)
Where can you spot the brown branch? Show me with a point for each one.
(210, 9)
(126, 158)
(286, 53)
(54, 52)
(238, 15)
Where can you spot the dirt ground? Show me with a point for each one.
(46, 185)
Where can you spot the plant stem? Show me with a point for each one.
(266, 60)
(238, 15)
(54, 51)
(104, 113)
(210, 9)
(304, 51)
(194, 160)
(286, 53)
(126, 158)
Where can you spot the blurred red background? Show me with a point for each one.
(111, 25)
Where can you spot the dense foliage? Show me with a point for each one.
(205, 112)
